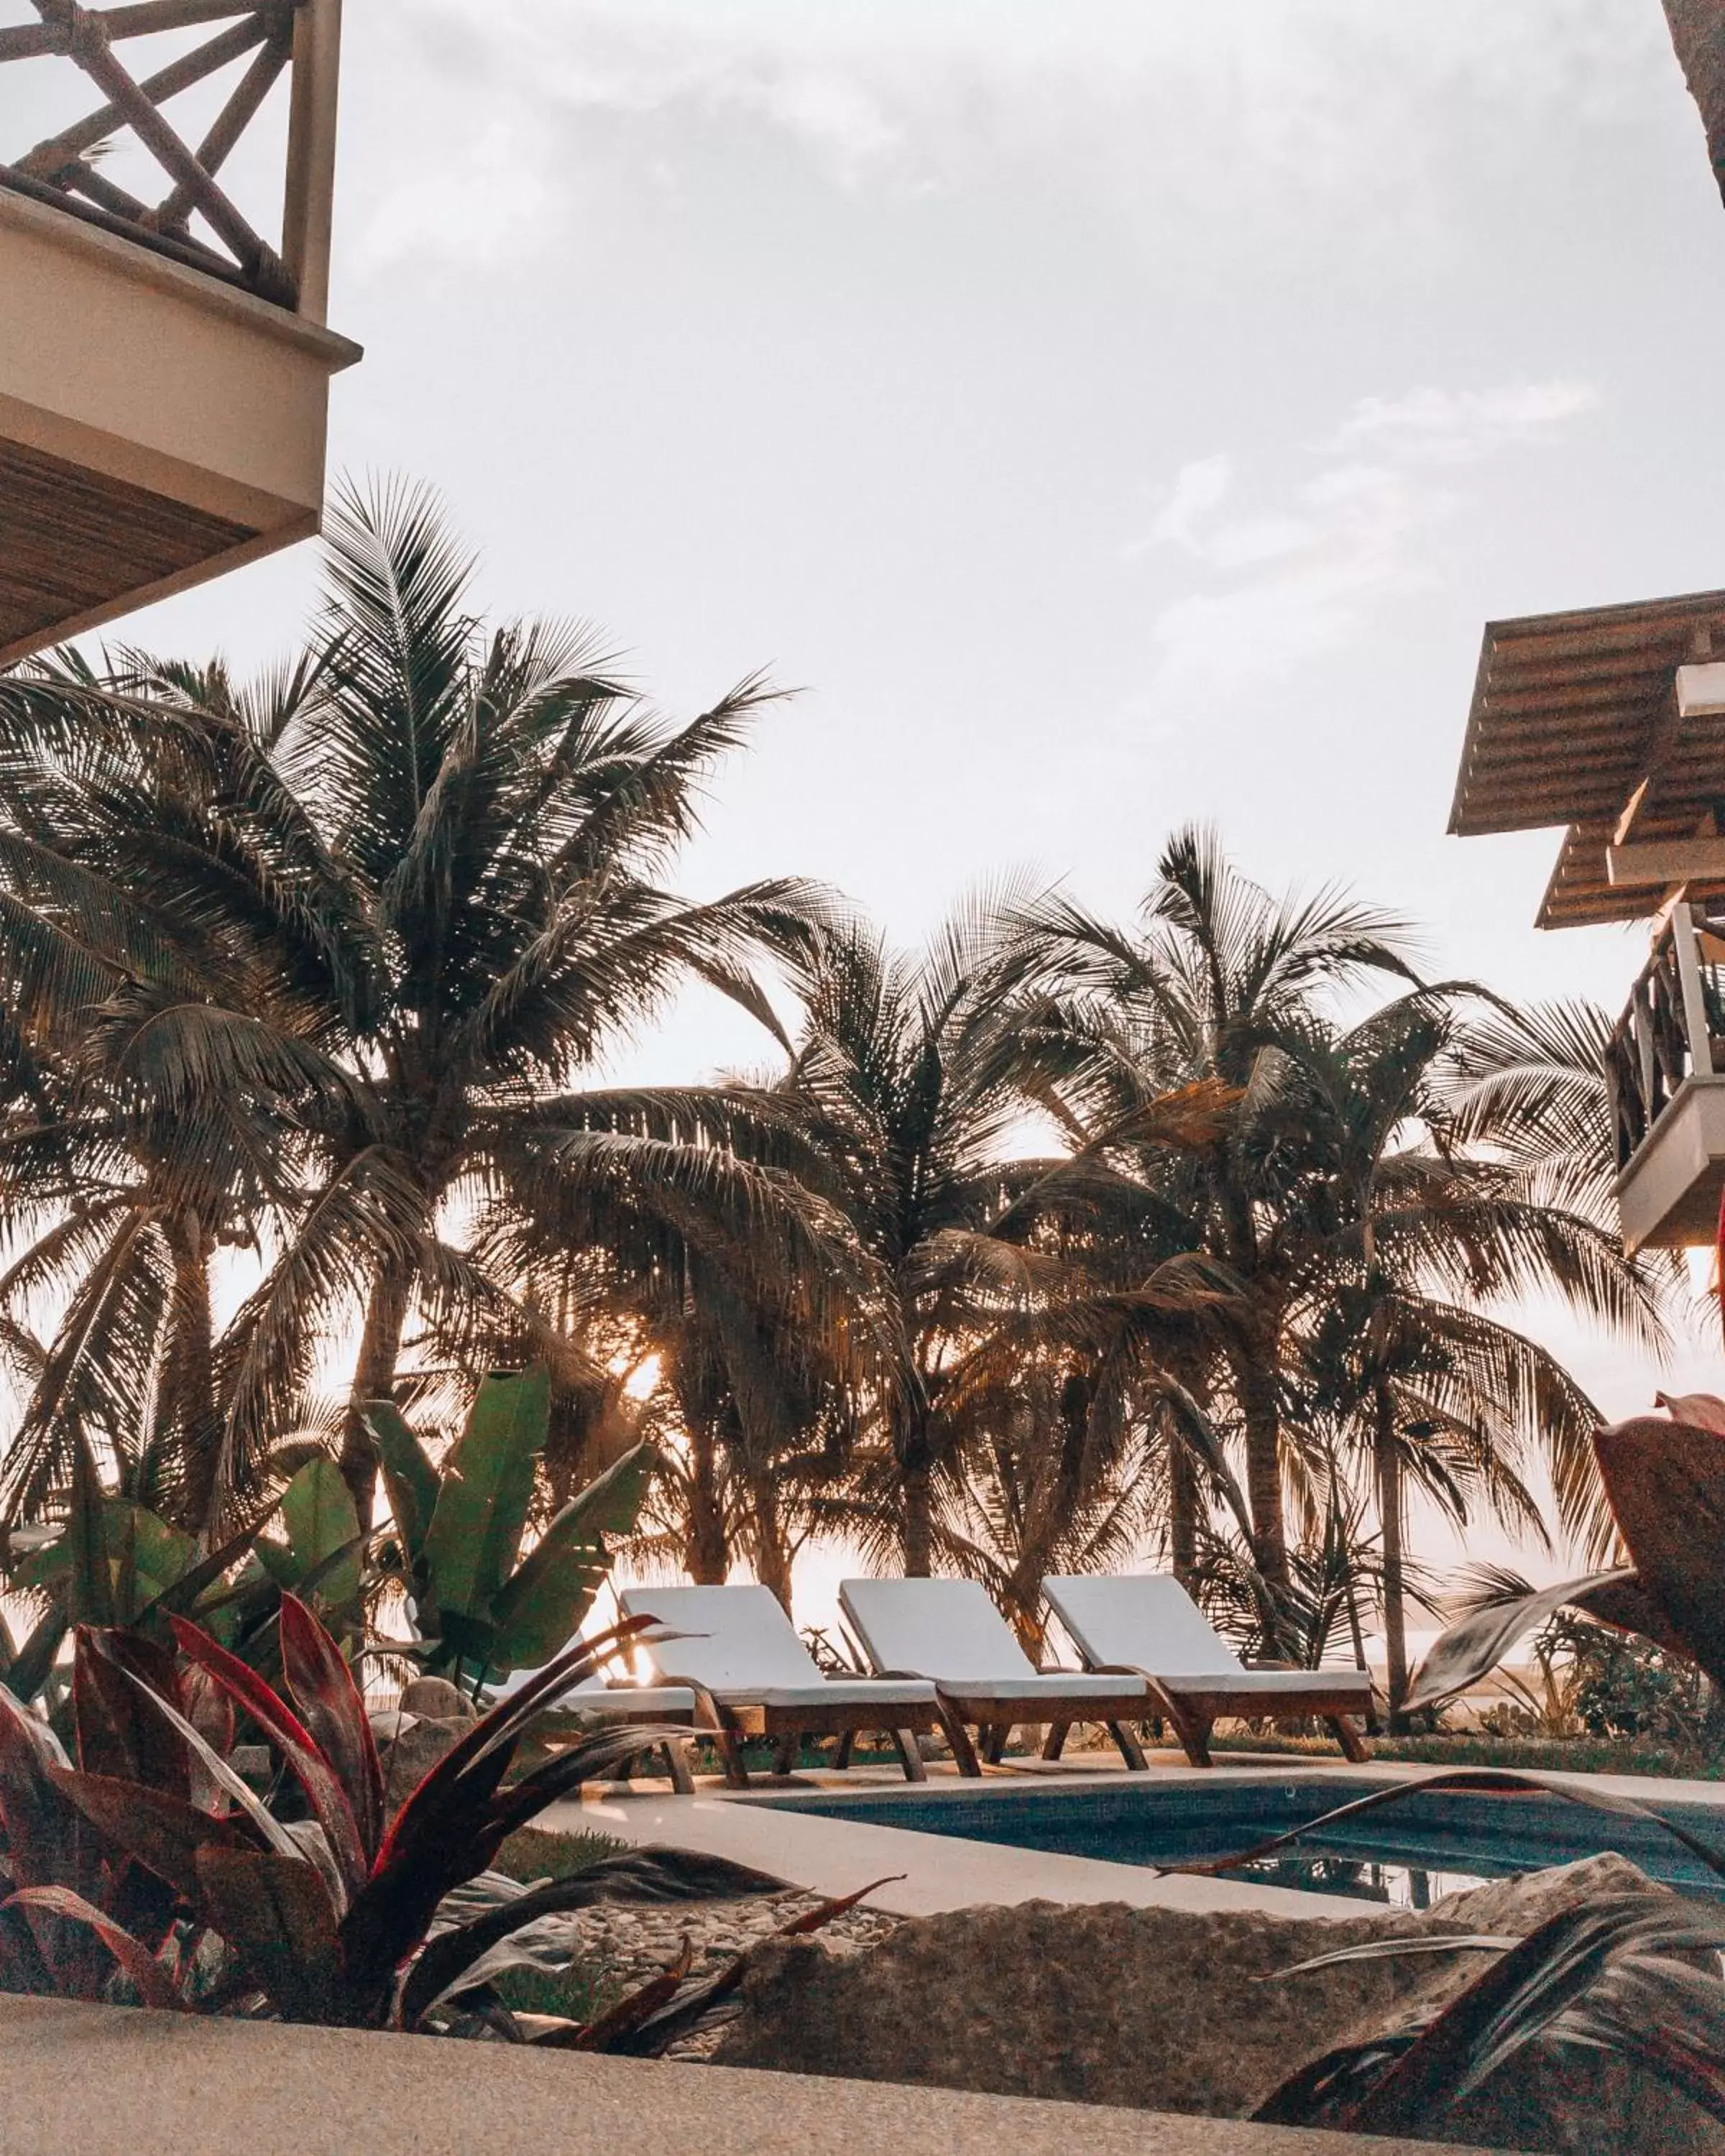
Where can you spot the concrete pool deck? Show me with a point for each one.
(115, 2080)
(834, 1856)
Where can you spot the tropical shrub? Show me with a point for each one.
(1664, 1480)
(1618, 1973)
(150, 1869)
(1638, 1974)
(479, 1607)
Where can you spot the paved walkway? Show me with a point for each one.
(112, 2080)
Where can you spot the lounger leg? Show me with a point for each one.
(1193, 1731)
(1054, 1742)
(847, 1745)
(677, 1759)
(959, 1736)
(994, 1738)
(909, 1758)
(1349, 1737)
(730, 1744)
(1130, 1748)
(790, 1745)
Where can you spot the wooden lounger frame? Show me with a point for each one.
(1119, 1711)
(847, 1720)
(1194, 1710)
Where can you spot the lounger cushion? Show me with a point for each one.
(592, 1695)
(1046, 1690)
(734, 1638)
(1143, 1620)
(882, 1693)
(1147, 1620)
(948, 1629)
(944, 1629)
(1273, 1684)
(739, 1643)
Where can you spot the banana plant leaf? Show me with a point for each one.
(323, 1536)
(542, 1603)
(486, 1492)
(1472, 1648)
(409, 1479)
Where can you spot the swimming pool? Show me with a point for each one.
(1409, 1853)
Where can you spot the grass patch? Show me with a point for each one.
(1581, 1755)
(530, 1853)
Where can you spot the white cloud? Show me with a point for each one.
(1462, 426)
(1289, 582)
(1260, 107)
(1199, 487)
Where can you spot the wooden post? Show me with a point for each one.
(1643, 1036)
(1695, 1001)
(309, 207)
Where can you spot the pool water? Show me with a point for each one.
(1409, 1854)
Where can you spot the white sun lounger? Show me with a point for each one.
(753, 1676)
(949, 1630)
(1147, 1621)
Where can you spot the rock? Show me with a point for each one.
(1168, 2009)
(435, 1699)
(410, 1746)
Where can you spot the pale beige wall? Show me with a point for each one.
(130, 365)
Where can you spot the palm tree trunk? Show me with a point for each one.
(374, 1379)
(1698, 28)
(705, 1555)
(1183, 1503)
(918, 1490)
(189, 1412)
(1356, 1632)
(772, 1558)
(1388, 1466)
(1255, 1381)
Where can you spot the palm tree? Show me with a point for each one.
(448, 845)
(1420, 1230)
(1204, 989)
(1378, 1189)
(907, 1085)
(152, 1067)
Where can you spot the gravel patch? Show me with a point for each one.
(627, 1946)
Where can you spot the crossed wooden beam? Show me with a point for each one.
(60, 170)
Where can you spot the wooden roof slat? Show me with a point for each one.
(1566, 723)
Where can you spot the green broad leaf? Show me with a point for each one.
(279, 1561)
(152, 1556)
(34, 1661)
(487, 1487)
(317, 1511)
(468, 1641)
(540, 1609)
(90, 1583)
(408, 1476)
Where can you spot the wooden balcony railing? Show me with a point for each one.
(195, 222)
(1673, 1027)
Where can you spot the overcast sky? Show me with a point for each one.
(1106, 414)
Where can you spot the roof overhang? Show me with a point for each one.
(1612, 723)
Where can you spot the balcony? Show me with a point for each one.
(1665, 1069)
(164, 370)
